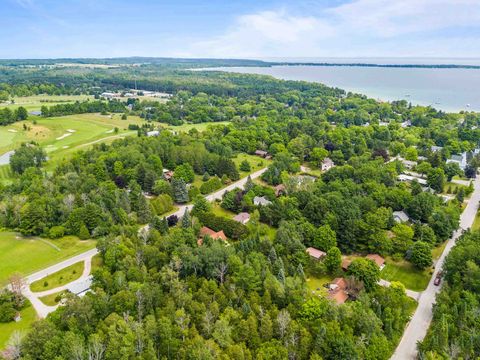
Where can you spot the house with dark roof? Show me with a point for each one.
(261, 153)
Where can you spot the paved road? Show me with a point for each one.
(42, 309)
(218, 194)
(418, 326)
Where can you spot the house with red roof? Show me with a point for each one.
(215, 235)
(315, 253)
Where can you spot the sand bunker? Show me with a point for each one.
(12, 130)
(109, 131)
(65, 147)
(64, 136)
(71, 131)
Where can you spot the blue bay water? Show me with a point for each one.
(445, 89)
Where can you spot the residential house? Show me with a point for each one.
(338, 290)
(280, 190)
(380, 261)
(242, 218)
(108, 95)
(327, 164)
(406, 124)
(153, 133)
(404, 177)
(215, 235)
(261, 153)
(435, 148)
(346, 263)
(168, 174)
(261, 201)
(461, 160)
(400, 216)
(315, 253)
(80, 288)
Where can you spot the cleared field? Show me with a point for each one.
(256, 163)
(316, 285)
(200, 127)
(34, 103)
(61, 136)
(51, 300)
(27, 255)
(403, 271)
(60, 278)
(6, 329)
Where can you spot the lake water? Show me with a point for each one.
(445, 89)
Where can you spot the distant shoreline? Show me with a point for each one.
(410, 66)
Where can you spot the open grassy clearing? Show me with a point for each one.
(452, 188)
(51, 300)
(437, 251)
(403, 271)
(35, 102)
(256, 163)
(97, 263)
(29, 254)
(60, 278)
(476, 223)
(7, 329)
(316, 285)
(187, 127)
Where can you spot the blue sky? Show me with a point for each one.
(240, 29)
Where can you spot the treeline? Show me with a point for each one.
(105, 187)
(455, 331)
(83, 107)
(8, 116)
(10, 90)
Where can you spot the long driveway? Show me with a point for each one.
(418, 326)
(43, 310)
(34, 297)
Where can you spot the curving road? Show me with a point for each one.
(43, 310)
(418, 325)
(34, 297)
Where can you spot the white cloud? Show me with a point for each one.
(355, 28)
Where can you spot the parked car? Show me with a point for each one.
(438, 279)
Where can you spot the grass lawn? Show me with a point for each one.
(200, 127)
(35, 102)
(256, 163)
(53, 134)
(6, 329)
(403, 271)
(60, 278)
(316, 285)
(220, 211)
(436, 252)
(453, 187)
(50, 300)
(27, 255)
(476, 223)
(97, 262)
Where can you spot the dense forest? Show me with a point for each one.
(159, 295)
(454, 333)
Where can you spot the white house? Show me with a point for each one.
(327, 164)
(461, 160)
(261, 201)
(400, 216)
(81, 287)
(153, 133)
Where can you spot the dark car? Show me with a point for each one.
(438, 279)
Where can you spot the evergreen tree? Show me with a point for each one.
(180, 191)
(186, 219)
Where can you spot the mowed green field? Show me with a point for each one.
(65, 134)
(6, 329)
(29, 254)
(34, 103)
